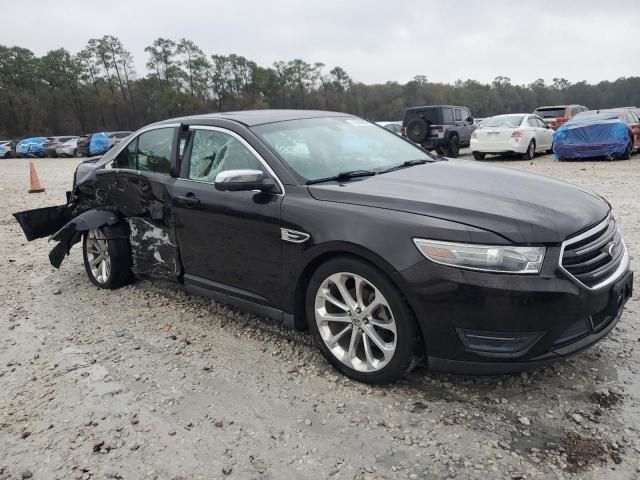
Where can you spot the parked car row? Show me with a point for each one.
(568, 131)
(62, 145)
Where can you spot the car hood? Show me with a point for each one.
(522, 207)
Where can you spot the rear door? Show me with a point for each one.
(229, 241)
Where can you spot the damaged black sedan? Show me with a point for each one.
(328, 222)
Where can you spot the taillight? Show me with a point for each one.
(403, 131)
(516, 133)
(439, 128)
(474, 135)
(561, 120)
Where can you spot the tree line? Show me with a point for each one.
(99, 89)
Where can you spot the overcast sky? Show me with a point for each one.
(374, 41)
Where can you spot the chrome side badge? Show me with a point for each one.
(293, 236)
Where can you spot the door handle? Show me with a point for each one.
(188, 200)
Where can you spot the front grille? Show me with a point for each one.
(594, 256)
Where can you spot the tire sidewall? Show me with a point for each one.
(453, 146)
(407, 337)
(120, 260)
(529, 155)
(424, 126)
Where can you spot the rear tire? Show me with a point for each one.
(374, 346)
(531, 151)
(479, 155)
(453, 147)
(107, 261)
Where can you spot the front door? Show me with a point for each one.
(229, 241)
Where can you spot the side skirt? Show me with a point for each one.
(206, 288)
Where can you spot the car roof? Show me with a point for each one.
(617, 111)
(551, 107)
(436, 106)
(252, 118)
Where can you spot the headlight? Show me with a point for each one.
(490, 258)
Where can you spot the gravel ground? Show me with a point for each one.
(150, 382)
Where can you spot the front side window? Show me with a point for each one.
(318, 148)
(213, 152)
(148, 152)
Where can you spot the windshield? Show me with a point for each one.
(318, 148)
(503, 121)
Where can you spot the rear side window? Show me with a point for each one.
(631, 118)
(148, 152)
(532, 122)
(447, 115)
(458, 114)
(213, 152)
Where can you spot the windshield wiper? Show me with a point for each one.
(344, 176)
(408, 163)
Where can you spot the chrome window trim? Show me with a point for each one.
(245, 144)
(622, 267)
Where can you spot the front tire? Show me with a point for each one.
(107, 261)
(360, 321)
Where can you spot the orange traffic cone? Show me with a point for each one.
(33, 177)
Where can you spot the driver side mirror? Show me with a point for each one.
(242, 180)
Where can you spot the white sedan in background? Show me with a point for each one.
(68, 148)
(521, 133)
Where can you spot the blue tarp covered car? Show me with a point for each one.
(99, 143)
(592, 135)
(31, 146)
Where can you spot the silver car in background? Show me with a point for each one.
(68, 148)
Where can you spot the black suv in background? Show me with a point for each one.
(443, 128)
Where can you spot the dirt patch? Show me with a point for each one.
(582, 452)
(606, 398)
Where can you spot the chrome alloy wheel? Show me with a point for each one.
(98, 255)
(355, 322)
